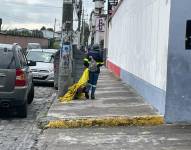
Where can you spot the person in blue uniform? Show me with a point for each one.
(93, 60)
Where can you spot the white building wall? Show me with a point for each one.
(138, 39)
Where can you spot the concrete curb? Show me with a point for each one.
(106, 122)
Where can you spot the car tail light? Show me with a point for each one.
(20, 78)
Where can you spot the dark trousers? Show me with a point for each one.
(93, 77)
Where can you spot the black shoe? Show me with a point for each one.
(92, 97)
(87, 95)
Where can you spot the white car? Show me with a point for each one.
(44, 69)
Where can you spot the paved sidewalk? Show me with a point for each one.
(164, 137)
(116, 104)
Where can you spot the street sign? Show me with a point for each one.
(66, 49)
(100, 24)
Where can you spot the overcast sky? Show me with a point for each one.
(34, 14)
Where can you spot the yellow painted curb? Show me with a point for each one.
(107, 122)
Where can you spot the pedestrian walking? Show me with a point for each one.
(93, 61)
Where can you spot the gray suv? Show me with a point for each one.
(16, 86)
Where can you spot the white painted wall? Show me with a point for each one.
(138, 39)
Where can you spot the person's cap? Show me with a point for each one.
(96, 47)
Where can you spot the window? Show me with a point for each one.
(21, 57)
(7, 59)
(188, 35)
(40, 56)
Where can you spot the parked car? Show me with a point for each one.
(44, 69)
(16, 86)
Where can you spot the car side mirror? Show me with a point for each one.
(31, 63)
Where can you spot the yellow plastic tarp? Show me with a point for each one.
(71, 94)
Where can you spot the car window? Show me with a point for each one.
(7, 59)
(40, 56)
(33, 46)
(22, 59)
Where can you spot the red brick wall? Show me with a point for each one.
(23, 41)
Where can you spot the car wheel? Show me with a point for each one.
(31, 95)
(22, 110)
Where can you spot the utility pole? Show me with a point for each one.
(65, 68)
(79, 14)
(83, 28)
(54, 28)
(0, 24)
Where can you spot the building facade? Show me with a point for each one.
(97, 23)
(146, 49)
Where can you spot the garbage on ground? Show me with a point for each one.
(76, 90)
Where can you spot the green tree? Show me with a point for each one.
(43, 28)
